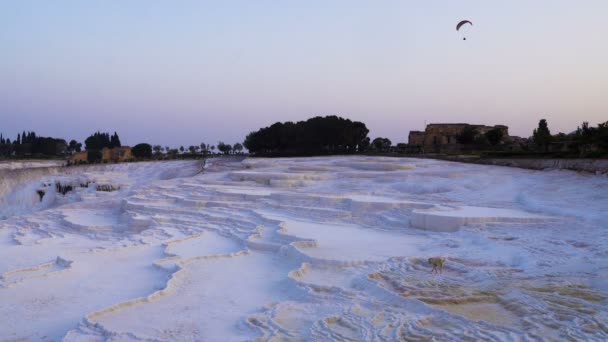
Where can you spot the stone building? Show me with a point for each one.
(116, 154)
(416, 138)
(79, 158)
(441, 138)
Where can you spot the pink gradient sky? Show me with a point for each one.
(179, 73)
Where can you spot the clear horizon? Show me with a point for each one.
(189, 72)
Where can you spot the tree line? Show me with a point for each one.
(99, 141)
(315, 136)
(144, 151)
(585, 141)
(29, 144)
(201, 149)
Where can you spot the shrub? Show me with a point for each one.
(142, 151)
(467, 136)
(494, 136)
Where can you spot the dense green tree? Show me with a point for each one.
(237, 147)
(602, 135)
(494, 136)
(591, 140)
(224, 148)
(382, 144)
(317, 135)
(94, 156)
(542, 136)
(467, 136)
(173, 152)
(142, 151)
(204, 149)
(481, 140)
(358, 137)
(115, 141)
(363, 145)
(74, 146)
(6, 148)
(29, 144)
(157, 149)
(98, 141)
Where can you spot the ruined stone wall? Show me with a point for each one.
(124, 153)
(79, 157)
(116, 154)
(442, 137)
(442, 134)
(416, 138)
(106, 155)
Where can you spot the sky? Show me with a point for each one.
(185, 72)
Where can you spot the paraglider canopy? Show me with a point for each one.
(461, 24)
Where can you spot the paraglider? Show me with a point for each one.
(461, 24)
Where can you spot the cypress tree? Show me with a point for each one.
(542, 135)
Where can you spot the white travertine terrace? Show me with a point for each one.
(450, 219)
(319, 249)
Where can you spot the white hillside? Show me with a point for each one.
(303, 249)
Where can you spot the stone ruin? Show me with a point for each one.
(442, 137)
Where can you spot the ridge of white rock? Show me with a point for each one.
(450, 219)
